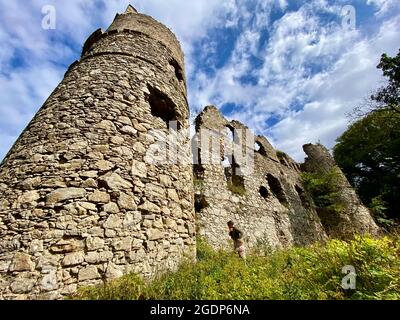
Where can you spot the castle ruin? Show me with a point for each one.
(269, 202)
(82, 202)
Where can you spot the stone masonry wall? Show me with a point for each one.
(271, 205)
(355, 217)
(80, 202)
(274, 208)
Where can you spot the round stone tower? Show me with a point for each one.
(81, 199)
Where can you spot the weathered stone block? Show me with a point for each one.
(94, 243)
(22, 262)
(36, 246)
(98, 257)
(65, 194)
(126, 202)
(49, 281)
(103, 165)
(139, 169)
(173, 195)
(106, 125)
(124, 244)
(31, 183)
(99, 197)
(129, 130)
(115, 182)
(87, 206)
(113, 271)
(29, 197)
(154, 234)
(113, 222)
(66, 246)
(117, 140)
(111, 207)
(88, 273)
(23, 283)
(73, 259)
(165, 180)
(149, 207)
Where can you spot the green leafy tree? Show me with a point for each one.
(378, 207)
(389, 95)
(369, 155)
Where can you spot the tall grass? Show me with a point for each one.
(313, 272)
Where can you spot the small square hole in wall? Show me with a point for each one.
(163, 107)
(263, 192)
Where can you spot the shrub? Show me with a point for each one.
(280, 154)
(324, 189)
(198, 183)
(313, 272)
(378, 208)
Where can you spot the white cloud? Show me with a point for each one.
(45, 54)
(297, 43)
(22, 94)
(383, 6)
(341, 89)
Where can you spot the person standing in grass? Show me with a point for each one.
(237, 237)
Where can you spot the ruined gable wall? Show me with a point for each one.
(278, 219)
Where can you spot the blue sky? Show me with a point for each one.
(286, 68)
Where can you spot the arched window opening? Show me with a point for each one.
(226, 163)
(232, 134)
(228, 145)
(178, 69)
(235, 181)
(277, 189)
(259, 148)
(196, 150)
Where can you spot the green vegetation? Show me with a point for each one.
(324, 189)
(369, 151)
(313, 272)
(388, 97)
(280, 154)
(198, 183)
(369, 155)
(236, 188)
(378, 208)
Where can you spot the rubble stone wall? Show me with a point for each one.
(355, 218)
(80, 201)
(271, 205)
(274, 208)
